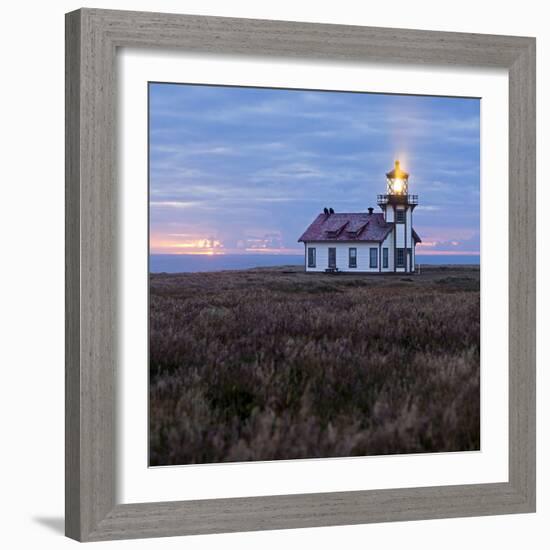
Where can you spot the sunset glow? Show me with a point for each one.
(178, 245)
(428, 252)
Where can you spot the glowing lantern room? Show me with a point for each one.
(397, 190)
(398, 181)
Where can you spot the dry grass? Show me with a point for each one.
(268, 364)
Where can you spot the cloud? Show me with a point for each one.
(295, 171)
(224, 160)
(205, 149)
(173, 204)
(434, 241)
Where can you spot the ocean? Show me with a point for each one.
(193, 263)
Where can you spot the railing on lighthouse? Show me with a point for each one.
(404, 199)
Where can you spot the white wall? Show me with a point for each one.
(408, 220)
(32, 276)
(342, 256)
(403, 238)
(389, 244)
(413, 251)
(400, 235)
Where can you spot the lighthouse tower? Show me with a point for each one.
(398, 208)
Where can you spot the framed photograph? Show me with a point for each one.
(300, 275)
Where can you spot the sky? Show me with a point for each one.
(237, 170)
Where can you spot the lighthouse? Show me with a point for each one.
(398, 207)
(366, 242)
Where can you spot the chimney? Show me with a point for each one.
(371, 210)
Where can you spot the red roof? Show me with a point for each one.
(349, 227)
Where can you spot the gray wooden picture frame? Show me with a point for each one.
(92, 39)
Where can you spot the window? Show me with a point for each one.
(311, 257)
(400, 216)
(332, 257)
(385, 257)
(373, 257)
(353, 257)
(400, 257)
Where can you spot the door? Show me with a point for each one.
(332, 257)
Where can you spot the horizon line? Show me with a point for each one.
(301, 254)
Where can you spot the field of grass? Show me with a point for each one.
(273, 363)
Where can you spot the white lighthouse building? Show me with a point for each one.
(366, 242)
